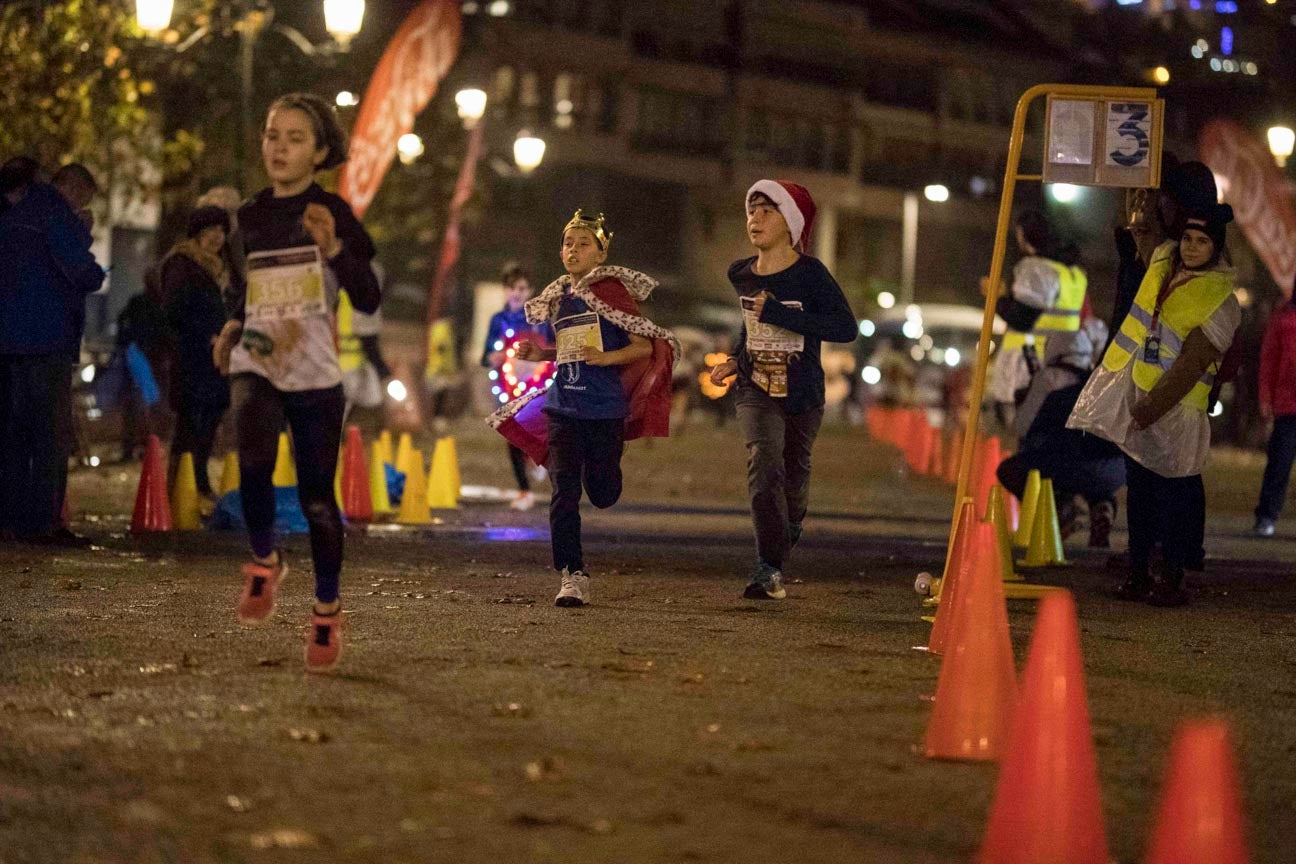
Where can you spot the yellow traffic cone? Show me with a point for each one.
(384, 442)
(1046, 538)
(997, 515)
(184, 497)
(414, 506)
(1029, 504)
(337, 483)
(443, 490)
(403, 451)
(229, 474)
(285, 471)
(378, 480)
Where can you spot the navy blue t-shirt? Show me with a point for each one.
(586, 392)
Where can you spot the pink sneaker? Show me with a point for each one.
(260, 586)
(324, 642)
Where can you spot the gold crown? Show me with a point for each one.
(597, 227)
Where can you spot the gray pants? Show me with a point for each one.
(778, 469)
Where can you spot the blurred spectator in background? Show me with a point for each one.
(1278, 403)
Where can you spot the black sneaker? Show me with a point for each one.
(1168, 591)
(1137, 586)
(61, 538)
(766, 584)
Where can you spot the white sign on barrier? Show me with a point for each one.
(1103, 142)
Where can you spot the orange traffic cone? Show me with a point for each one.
(921, 445)
(977, 689)
(356, 501)
(1047, 806)
(936, 460)
(152, 506)
(986, 476)
(952, 457)
(956, 568)
(1200, 818)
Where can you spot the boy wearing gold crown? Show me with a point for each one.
(613, 385)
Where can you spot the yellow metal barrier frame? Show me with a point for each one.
(1079, 91)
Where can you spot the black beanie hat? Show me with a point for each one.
(207, 217)
(1211, 221)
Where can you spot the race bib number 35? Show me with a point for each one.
(285, 284)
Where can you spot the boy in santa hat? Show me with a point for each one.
(613, 385)
(791, 304)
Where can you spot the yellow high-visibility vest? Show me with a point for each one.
(1187, 308)
(1062, 317)
(350, 354)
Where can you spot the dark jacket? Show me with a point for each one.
(267, 223)
(47, 272)
(824, 316)
(195, 314)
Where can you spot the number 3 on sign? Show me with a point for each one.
(1129, 127)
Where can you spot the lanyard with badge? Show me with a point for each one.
(1152, 344)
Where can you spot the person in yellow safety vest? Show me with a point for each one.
(1150, 398)
(359, 355)
(1047, 296)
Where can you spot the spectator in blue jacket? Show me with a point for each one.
(48, 271)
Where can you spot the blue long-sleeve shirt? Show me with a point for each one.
(46, 271)
(504, 321)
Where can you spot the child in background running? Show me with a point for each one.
(509, 327)
(303, 244)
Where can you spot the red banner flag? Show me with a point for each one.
(418, 57)
(1259, 194)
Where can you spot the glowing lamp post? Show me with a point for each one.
(1281, 139)
(471, 104)
(154, 16)
(343, 19)
(528, 152)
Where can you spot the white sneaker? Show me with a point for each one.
(523, 501)
(575, 590)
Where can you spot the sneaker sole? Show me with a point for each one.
(755, 593)
(318, 670)
(569, 602)
(261, 622)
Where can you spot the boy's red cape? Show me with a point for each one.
(612, 292)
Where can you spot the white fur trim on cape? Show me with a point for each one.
(544, 307)
(775, 191)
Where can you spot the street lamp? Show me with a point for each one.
(409, 147)
(249, 19)
(342, 19)
(471, 103)
(154, 16)
(1281, 139)
(936, 193)
(528, 151)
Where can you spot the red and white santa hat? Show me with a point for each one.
(794, 204)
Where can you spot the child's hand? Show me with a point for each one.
(595, 357)
(318, 222)
(723, 372)
(525, 349)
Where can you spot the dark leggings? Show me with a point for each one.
(1166, 510)
(315, 419)
(582, 454)
(195, 432)
(519, 461)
